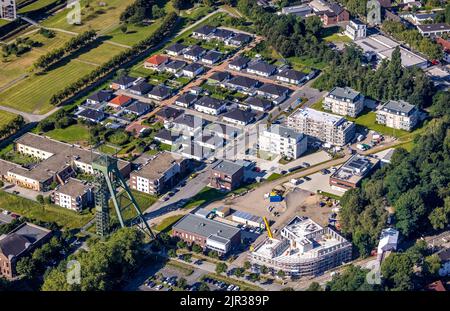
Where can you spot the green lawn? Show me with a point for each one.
(305, 64)
(134, 33)
(274, 176)
(76, 133)
(143, 200)
(205, 195)
(6, 117)
(369, 120)
(101, 54)
(108, 149)
(47, 213)
(318, 106)
(36, 5)
(167, 223)
(338, 38)
(33, 93)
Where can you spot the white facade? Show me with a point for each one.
(283, 141)
(8, 9)
(356, 30)
(209, 110)
(398, 118)
(344, 102)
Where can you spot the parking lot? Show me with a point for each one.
(319, 181)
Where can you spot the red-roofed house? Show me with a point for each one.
(155, 61)
(120, 101)
(437, 286)
(446, 47)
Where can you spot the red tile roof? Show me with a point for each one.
(157, 59)
(120, 100)
(437, 286)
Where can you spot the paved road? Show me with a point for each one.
(30, 117)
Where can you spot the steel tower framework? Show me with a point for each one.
(110, 184)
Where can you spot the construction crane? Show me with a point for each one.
(269, 232)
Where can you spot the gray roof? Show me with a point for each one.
(212, 55)
(142, 87)
(21, 238)
(241, 37)
(285, 132)
(139, 107)
(193, 67)
(243, 81)
(210, 102)
(240, 115)
(73, 187)
(124, 80)
(169, 112)
(205, 30)
(262, 66)
(188, 120)
(205, 227)
(195, 50)
(227, 167)
(258, 102)
(291, 74)
(399, 107)
(101, 96)
(274, 89)
(167, 135)
(176, 64)
(92, 114)
(434, 27)
(239, 61)
(177, 47)
(187, 98)
(160, 91)
(223, 33)
(344, 93)
(219, 76)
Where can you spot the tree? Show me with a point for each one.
(26, 268)
(157, 12)
(196, 248)
(239, 272)
(221, 267)
(440, 216)
(313, 24)
(213, 254)
(181, 244)
(352, 279)
(409, 212)
(40, 198)
(247, 265)
(287, 289)
(172, 253)
(397, 272)
(281, 274)
(264, 270)
(314, 287)
(203, 287)
(123, 28)
(182, 283)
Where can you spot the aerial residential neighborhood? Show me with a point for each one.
(245, 145)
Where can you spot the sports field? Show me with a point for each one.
(6, 117)
(33, 93)
(13, 67)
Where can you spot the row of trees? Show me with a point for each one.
(73, 45)
(19, 47)
(389, 81)
(104, 266)
(157, 37)
(413, 38)
(12, 127)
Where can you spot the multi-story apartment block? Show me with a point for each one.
(74, 195)
(304, 249)
(57, 162)
(398, 115)
(356, 30)
(344, 101)
(323, 126)
(283, 141)
(226, 175)
(8, 9)
(158, 174)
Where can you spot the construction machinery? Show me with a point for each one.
(110, 184)
(269, 231)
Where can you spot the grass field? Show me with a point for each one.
(76, 133)
(143, 200)
(134, 33)
(47, 213)
(205, 195)
(304, 64)
(36, 5)
(167, 223)
(101, 54)
(33, 93)
(97, 17)
(6, 117)
(13, 67)
(369, 120)
(338, 38)
(108, 149)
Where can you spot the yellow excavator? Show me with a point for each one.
(269, 232)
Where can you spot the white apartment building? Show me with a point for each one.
(398, 115)
(304, 249)
(344, 101)
(356, 30)
(323, 126)
(283, 141)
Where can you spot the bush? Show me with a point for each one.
(40, 198)
(119, 138)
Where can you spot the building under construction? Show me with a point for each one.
(305, 249)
